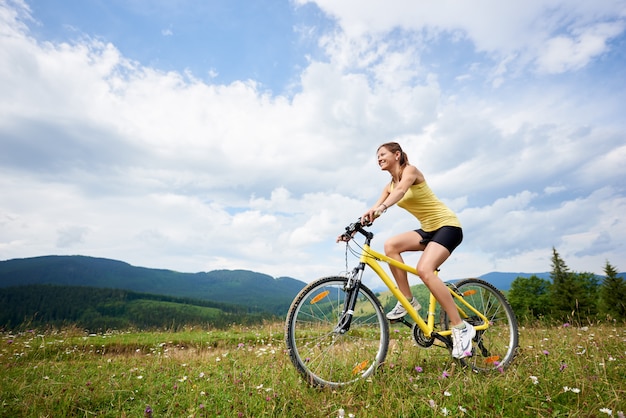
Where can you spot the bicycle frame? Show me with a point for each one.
(372, 258)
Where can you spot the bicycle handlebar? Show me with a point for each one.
(355, 227)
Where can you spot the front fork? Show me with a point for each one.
(352, 293)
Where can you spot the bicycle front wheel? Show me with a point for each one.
(323, 355)
(495, 347)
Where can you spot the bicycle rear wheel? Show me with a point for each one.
(324, 356)
(495, 347)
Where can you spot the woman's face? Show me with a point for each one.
(386, 159)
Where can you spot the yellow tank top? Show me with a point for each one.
(421, 202)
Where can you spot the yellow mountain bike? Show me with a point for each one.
(337, 333)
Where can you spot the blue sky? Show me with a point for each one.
(201, 135)
(218, 41)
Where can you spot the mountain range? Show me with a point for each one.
(256, 291)
(103, 293)
(238, 287)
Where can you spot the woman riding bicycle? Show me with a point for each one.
(439, 235)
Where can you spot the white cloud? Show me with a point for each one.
(564, 53)
(560, 35)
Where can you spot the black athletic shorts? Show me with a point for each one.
(448, 236)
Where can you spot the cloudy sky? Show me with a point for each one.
(197, 135)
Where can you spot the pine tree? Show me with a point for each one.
(562, 289)
(530, 297)
(587, 298)
(613, 294)
(573, 294)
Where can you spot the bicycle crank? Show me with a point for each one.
(421, 339)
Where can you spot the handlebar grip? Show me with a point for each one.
(358, 223)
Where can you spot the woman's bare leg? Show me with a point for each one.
(394, 247)
(434, 255)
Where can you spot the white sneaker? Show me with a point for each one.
(398, 311)
(462, 341)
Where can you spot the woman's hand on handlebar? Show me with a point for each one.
(343, 238)
(351, 230)
(357, 226)
(369, 216)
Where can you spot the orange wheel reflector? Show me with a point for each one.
(469, 292)
(320, 297)
(492, 359)
(359, 367)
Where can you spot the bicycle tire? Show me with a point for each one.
(324, 357)
(494, 348)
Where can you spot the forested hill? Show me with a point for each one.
(97, 309)
(239, 287)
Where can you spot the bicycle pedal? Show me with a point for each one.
(401, 321)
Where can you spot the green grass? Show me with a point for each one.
(245, 372)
